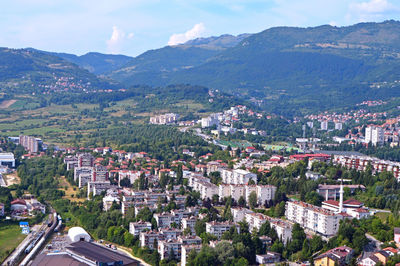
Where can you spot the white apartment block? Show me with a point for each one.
(218, 228)
(108, 201)
(239, 214)
(314, 218)
(150, 239)
(338, 126)
(265, 193)
(237, 176)
(164, 119)
(375, 135)
(138, 227)
(185, 250)
(282, 228)
(189, 223)
(164, 219)
(324, 125)
(166, 247)
(204, 186)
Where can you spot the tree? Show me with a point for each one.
(253, 200)
(242, 201)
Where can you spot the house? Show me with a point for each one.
(336, 256)
(19, 205)
(380, 257)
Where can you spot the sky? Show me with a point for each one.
(132, 27)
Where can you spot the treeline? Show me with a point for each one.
(161, 142)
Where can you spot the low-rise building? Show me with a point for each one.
(336, 256)
(268, 258)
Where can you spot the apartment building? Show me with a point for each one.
(168, 247)
(186, 249)
(218, 228)
(189, 223)
(85, 160)
(237, 176)
(375, 135)
(150, 239)
(164, 219)
(164, 119)
(360, 163)
(314, 218)
(138, 227)
(31, 144)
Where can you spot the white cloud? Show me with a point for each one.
(370, 10)
(117, 39)
(191, 34)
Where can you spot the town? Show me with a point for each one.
(174, 211)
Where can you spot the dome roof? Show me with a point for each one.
(78, 234)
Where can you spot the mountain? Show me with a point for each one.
(159, 63)
(322, 65)
(96, 63)
(27, 70)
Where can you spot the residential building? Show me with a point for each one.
(150, 239)
(186, 249)
(375, 135)
(164, 119)
(2, 209)
(31, 144)
(95, 188)
(168, 247)
(189, 223)
(85, 160)
(268, 258)
(138, 227)
(314, 218)
(333, 191)
(237, 176)
(324, 125)
(338, 126)
(336, 256)
(164, 219)
(108, 201)
(218, 228)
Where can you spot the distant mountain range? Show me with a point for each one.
(324, 66)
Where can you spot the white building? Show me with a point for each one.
(7, 159)
(189, 223)
(138, 227)
(210, 121)
(218, 228)
(108, 201)
(314, 218)
(164, 119)
(76, 234)
(166, 247)
(375, 135)
(239, 214)
(237, 176)
(324, 125)
(185, 250)
(338, 126)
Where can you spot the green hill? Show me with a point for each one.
(27, 70)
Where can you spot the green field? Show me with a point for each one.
(235, 144)
(10, 237)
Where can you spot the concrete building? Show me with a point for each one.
(138, 227)
(85, 160)
(31, 144)
(186, 249)
(375, 135)
(95, 188)
(189, 223)
(324, 125)
(218, 228)
(168, 247)
(108, 201)
(7, 159)
(338, 126)
(268, 258)
(164, 219)
(314, 218)
(150, 239)
(164, 119)
(237, 176)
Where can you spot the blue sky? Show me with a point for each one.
(133, 26)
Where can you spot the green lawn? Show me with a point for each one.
(10, 237)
